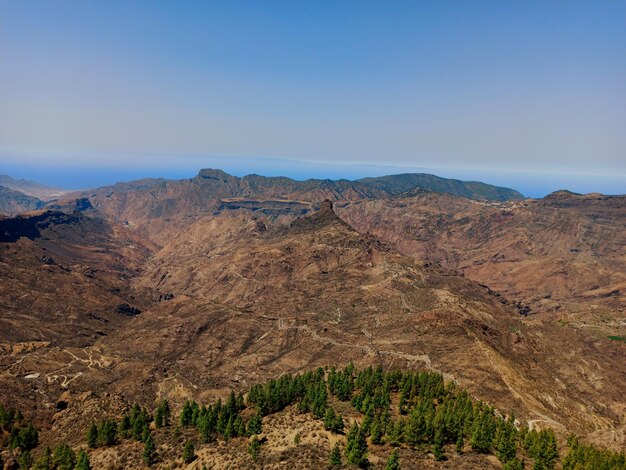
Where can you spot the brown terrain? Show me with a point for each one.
(564, 254)
(187, 289)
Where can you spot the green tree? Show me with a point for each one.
(254, 425)
(254, 448)
(395, 432)
(329, 418)
(393, 462)
(25, 460)
(482, 433)
(158, 417)
(162, 414)
(186, 414)
(513, 464)
(145, 434)
(506, 442)
(335, 455)
(415, 430)
(460, 443)
(82, 461)
(149, 451)
(356, 447)
(239, 426)
(92, 436)
(63, 457)
(124, 426)
(438, 445)
(333, 421)
(376, 431)
(107, 433)
(549, 451)
(28, 437)
(45, 460)
(189, 452)
(139, 423)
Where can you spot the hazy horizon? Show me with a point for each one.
(525, 95)
(70, 172)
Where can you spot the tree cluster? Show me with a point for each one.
(588, 457)
(220, 419)
(22, 435)
(417, 410)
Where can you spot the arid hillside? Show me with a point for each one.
(564, 254)
(65, 277)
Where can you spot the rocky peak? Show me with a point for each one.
(326, 206)
(216, 175)
(323, 217)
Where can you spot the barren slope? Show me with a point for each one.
(564, 254)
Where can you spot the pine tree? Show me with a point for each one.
(107, 433)
(335, 456)
(82, 461)
(547, 452)
(145, 434)
(338, 425)
(45, 460)
(124, 426)
(138, 427)
(376, 431)
(25, 460)
(505, 442)
(231, 404)
(186, 414)
(393, 462)
(415, 429)
(149, 451)
(239, 426)
(28, 437)
(438, 445)
(189, 452)
(230, 428)
(254, 425)
(254, 448)
(481, 438)
(162, 414)
(63, 457)
(513, 464)
(92, 436)
(395, 432)
(356, 447)
(329, 418)
(460, 443)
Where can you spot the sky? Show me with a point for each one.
(530, 95)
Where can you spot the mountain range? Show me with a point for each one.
(186, 289)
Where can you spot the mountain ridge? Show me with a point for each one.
(31, 188)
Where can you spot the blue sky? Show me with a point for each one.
(527, 94)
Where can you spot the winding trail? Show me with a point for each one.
(370, 351)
